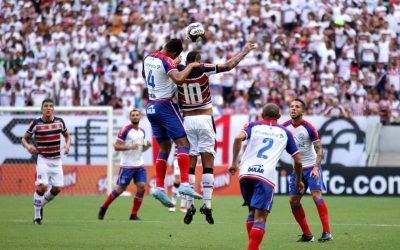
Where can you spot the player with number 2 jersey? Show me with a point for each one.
(266, 141)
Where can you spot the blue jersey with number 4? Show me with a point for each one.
(266, 142)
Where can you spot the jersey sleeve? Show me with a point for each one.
(210, 69)
(122, 134)
(170, 65)
(144, 133)
(31, 127)
(247, 129)
(64, 128)
(312, 132)
(291, 147)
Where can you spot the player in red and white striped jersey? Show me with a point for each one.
(47, 132)
(195, 102)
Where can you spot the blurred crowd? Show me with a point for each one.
(341, 57)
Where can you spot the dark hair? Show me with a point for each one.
(192, 56)
(47, 100)
(271, 110)
(301, 101)
(174, 46)
(135, 110)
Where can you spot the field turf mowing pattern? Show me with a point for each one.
(70, 222)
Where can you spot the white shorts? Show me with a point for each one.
(49, 172)
(200, 130)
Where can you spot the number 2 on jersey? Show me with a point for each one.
(150, 79)
(261, 152)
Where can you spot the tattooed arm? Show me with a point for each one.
(320, 154)
(234, 61)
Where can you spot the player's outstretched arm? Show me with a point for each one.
(179, 76)
(25, 142)
(298, 168)
(237, 144)
(234, 61)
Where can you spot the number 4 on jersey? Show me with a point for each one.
(150, 79)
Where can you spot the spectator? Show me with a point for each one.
(335, 109)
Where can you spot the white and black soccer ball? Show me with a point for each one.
(194, 32)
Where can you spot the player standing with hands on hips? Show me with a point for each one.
(161, 75)
(47, 131)
(310, 147)
(266, 141)
(132, 143)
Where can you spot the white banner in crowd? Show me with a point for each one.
(344, 140)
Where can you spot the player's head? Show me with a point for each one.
(297, 108)
(271, 111)
(193, 56)
(47, 107)
(173, 48)
(135, 115)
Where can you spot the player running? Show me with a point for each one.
(195, 103)
(161, 74)
(47, 131)
(132, 143)
(307, 140)
(258, 177)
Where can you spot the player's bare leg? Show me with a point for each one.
(256, 232)
(161, 170)
(207, 160)
(300, 216)
(323, 215)
(184, 165)
(137, 200)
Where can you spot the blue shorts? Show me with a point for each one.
(166, 120)
(309, 182)
(257, 194)
(127, 174)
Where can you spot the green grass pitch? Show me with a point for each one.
(70, 222)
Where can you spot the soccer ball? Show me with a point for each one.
(194, 32)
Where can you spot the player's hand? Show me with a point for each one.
(232, 169)
(66, 149)
(315, 173)
(178, 59)
(300, 186)
(31, 149)
(249, 47)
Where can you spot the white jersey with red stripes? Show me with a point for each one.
(156, 67)
(266, 142)
(194, 93)
(305, 134)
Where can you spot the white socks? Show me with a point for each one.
(208, 187)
